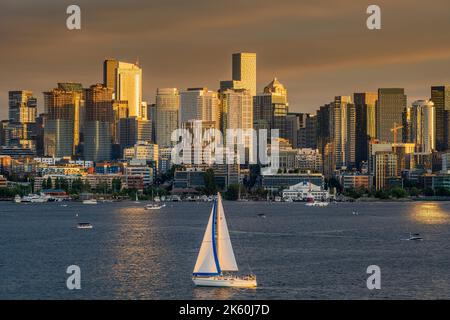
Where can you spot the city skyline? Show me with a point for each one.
(412, 57)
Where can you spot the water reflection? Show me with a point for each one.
(430, 213)
(136, 253)
(205, 293)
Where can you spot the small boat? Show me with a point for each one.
(84, 225)
(17, 199)
(90, 201)
(317, 204)
(63, 205)
(154, 206)
(414, 237)
(355, 213)
(261, 215)
(36, 198)
(216, 257)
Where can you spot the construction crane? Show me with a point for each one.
(394, 130)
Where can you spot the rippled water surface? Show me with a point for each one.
(296, 252)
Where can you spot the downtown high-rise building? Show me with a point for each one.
(389, 113)
(365, 104)
(166, 115)
(199, 104)
(98, 123)
(301, 130)
(63, 108)
(126, 81)
(343, 132)
(237, 113)
(21, 128)
(420, 126)
(440, 95)
(271, 108)
(133, 130)
(243, 73)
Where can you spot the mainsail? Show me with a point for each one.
(227, 261)
(207, 263)
(216, 252)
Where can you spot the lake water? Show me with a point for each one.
(296, 252)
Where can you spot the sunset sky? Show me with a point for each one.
(317, 49)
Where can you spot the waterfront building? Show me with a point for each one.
(140, 168)
(276, 182)
(356, 181)
(302, 190)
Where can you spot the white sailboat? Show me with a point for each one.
(216, 257)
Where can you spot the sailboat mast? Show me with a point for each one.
(218, 205)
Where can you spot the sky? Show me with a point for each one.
(318, 49)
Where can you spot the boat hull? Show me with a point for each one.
(224, 282)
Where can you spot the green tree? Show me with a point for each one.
(116, 185)
(428, 192)
(442, 192)
(382, 194)
(399, 192)
(232, 192)
(49, 183)
(414, 192)
(210, 184)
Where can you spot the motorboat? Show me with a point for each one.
(154, 206)
(90, 201)
(84, 225)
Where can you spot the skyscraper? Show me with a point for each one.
(21, 129)
(167, 108)
(126, 81)
(132, 130)
(365, 103)
(98, 125)
(389, 110)
(22, 107)
(301, 130)
(199, 104)
(244, 71)
(342, 129)
(271, 108)
(109, 74)
(237, 113)
(422, 126)
(440, 95)
(62, 120)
